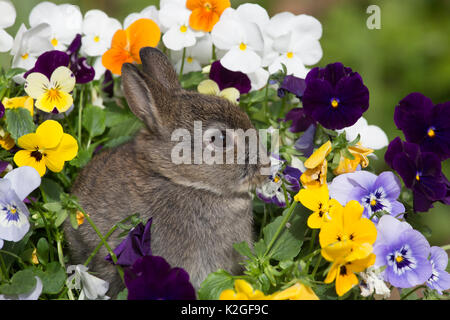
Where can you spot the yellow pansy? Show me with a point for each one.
(347, 165)
(6, 141)
(344, 272)
(348, 234)
(316, 167)
(19, 102)
(48, 148)
(318, 201)
(296, 292)
(54, 94)
(212, 88)
(243, 291)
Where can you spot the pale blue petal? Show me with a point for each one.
(390, 183)
(24, 180)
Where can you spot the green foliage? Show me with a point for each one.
(19, 122)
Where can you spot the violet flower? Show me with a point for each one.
(2, 110)
(425, 124)
(420, 171)
(374, 193)
(108, 84)
(335, 96)
(134, 246)
(300, 120)
(152, 278)
(293, 85)
(305, 144)
(229, 79)
(439, 279)
(404, 251)
(292, 177)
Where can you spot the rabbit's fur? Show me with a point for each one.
(199, 211)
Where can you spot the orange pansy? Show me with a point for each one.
(205, 13)
(126, 44)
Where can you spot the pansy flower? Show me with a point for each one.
(305, 144)
(126, 44)
(8, 17)
(404, 251)
(316, 167)
(424, 123)
(374, 193)
(335, 96)
(370, 136)
(19, 102)
(292, 177)
(300, 120)
(134, 246)
(420, 171)
(272, 192)
(152, 278)
(212, 88)
(347, 165)
(292, 84)
(52, 94)
(229, 79)
(91, 287)
(439, 279)
(14, 188)
(48, 148)
(318, 201)
(243, 291)
(298, 291)
(372, 282)
(6, 141)
(205, 13)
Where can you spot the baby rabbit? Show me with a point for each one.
(199, 210)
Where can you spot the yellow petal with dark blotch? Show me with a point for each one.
(318, 156)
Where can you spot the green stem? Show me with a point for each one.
(214, 57)
(281, 227)
(266, 102)
(49, 236)
(19, 259)
(182, 64)
(316, 266)
(4, 272)
(60, 252)
(283, 105)
(412, 291)
(100, 245)
(312, 254)
(446, 247)
(80, 112)
(311, 245)
(263, 222)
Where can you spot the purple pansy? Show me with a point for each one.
(152, 278)
(292, 177)
(439, 279)
(229, 79)
(335, 96)
(293, 85)
(425, 124)
(305, 144)
(134, 246)
(420, 171)
(2, 110)
(300, 120)
(108, 84)
(374, 193)
(50, 60)
(272, 192)
(404, 251)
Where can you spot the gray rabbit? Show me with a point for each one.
(199, 210)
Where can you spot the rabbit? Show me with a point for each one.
(198, 210)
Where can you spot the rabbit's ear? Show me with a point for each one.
(157, 66)
(142, 99)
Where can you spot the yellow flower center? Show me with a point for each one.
(399, 259)
(96, 38)
(431, 133)
(53, 93)
(276, 179)
(183, 28)
(54, 42)
(25, 56)
(13, 210)
(290, 55)
(207, 6)
(417, 177)
(334, 103)
(189, 59)
(243, 46)
(373, 202)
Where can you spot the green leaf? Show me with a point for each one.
(16, 248)
(19, 122)
(214, 284)
(61, 216)
(53, 278)
(290, 240)
(21, 282)
(122, 295)
(73, 219)
(53, 206)
(51, 191)
(347, 154)
(83, 157)
(243, 249)
(259, 248)
(94, 120)
(42, 250)
(192, 79)
(13, 72)
(115, 115)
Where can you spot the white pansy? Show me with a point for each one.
(99, 68)
(371, 136)
(258, 78)
(92, 288)
(196, 56)
(372, 283)
(151, 12)
(98, 30)
(32, 295)
(296, 42)
(7, 19)
(175, 19)
(65, 20)
(30, 44)
(242, 40)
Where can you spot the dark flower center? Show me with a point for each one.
(334, 102)
(37, 155)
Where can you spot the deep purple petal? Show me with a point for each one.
(305, 144)
(229, 79)
(2, 110)
(300, 120)
(83, 72)
(293, 85)
(394, 148)
(108, 84)
(75, 46)
(48, 62)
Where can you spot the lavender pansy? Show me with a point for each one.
(374, 193)
(404, 251)
(272, 192)
(14, 188)
(420, 171)
(439, 279)
(424, 123)
(292, 177)
(152, 278)
(229, 79)
(335, 96)
(134, 246)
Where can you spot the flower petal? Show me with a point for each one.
(50, 133)
(23, 180)
(63, 79)
(66, 150)
(36, 85)
(24, 158)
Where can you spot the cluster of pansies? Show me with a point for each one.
(328, 226)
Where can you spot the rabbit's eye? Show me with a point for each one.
(220, 140)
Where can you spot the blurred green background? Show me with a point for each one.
(411, 52)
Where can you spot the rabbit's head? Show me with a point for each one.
(197, 140)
